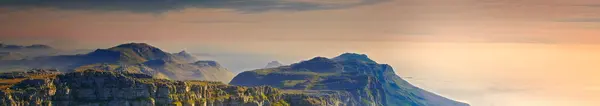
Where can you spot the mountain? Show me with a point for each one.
(353, 57)
(31, 51)
(213, 70)
(367, 82)
(104, 88)
(38, 50)
(11, 56)
(273, 64)
(133, 53)
(34, 46)
(185, 56)
(38, 46)
(130, 57)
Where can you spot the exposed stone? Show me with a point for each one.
(98, 88)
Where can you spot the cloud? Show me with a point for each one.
(587, 5)
(218, 21)
(328, 1)
(581, 20)
(159, 6)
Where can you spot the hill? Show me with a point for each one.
(130, 57)
(367, 82)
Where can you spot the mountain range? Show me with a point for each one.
(140, 74)
(131, 57)
(19, 52)
(34, 46)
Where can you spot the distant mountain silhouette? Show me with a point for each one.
(11, 56)
(34, 46)
(130, 57)
(31, 51)
(367, 82)
(185, 56)
(273, 64)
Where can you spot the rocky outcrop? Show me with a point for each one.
(101, 88)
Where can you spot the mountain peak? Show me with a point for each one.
(134, 45)
(139, 48)
(367, 83)
(183, 52)
(273, 64)
(354, 57)
(186, 56)
(319, 64)
(133, 53)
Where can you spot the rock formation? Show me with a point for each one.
(102, 88)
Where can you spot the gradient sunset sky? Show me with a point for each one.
(484, 52)
(101, 23)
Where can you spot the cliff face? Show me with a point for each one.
(361, 80)
(98, 88)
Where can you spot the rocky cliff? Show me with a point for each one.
(361, 80)
(101, 88)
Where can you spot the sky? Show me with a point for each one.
(485, 52)
(91, 23)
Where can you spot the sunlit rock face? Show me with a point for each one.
(101, 88)
(358, 79)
